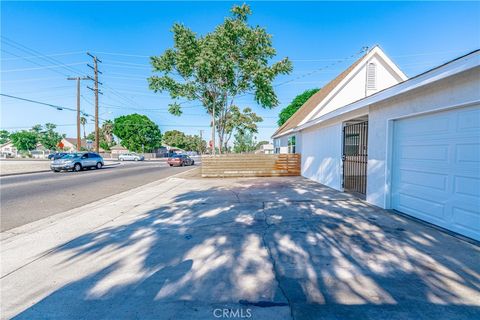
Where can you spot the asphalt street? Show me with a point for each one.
(30, 197)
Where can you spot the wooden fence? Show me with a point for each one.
(251, 165)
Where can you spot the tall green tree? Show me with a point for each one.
(180, 140)
(240, 122)
(50, 138)
(137, 132)
(195, 143)
(175, 138)
(107, 131)
(25, 140)
(296, 103)
(244, 142)
(218, 67)
(4, 136)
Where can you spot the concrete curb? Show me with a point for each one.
(41, 171)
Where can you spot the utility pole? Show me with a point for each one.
(79, 138)
(96, 91)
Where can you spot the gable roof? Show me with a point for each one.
(333, 87)
(315, 100)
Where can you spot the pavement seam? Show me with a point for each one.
(46, 253)
(274, 264)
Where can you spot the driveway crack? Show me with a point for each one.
(274, 264)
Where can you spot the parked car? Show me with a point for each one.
(57, 155)
(131, 156)
(180, 160)
(77, 162)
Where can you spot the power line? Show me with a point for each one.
(35, 63)
(363, 50)
(47, 55)
(60, 108)
(38, 54)
(43, 67)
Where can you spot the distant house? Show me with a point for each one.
(266, 149)
(70, 145)
(8, 150)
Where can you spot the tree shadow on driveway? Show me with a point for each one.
(283, 247)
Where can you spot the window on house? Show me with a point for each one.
(276, 143)
(371, 76)
(291, 144)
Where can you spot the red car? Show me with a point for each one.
(180, 160)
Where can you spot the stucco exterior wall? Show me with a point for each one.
(322, 155)
(442, 95)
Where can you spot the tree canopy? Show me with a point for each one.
(244, 142)
(27, 140)
(218, 67)
(24, 140)
(106, 135)
(4, 136)
(296, 103)
(240, 122)
(137, 132)
(48, 137)
(180, 140)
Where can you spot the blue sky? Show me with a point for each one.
(416, 35)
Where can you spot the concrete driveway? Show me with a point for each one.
(276, 248)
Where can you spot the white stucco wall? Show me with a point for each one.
(453, 91)
(322, 155)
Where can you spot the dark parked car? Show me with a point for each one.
(55, 156)
(77, 162)
(180, 160)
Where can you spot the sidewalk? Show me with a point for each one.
(184, 247)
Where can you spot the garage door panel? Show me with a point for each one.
(436, 172)
(467, 186)
(417, 127)
(424, 152)
(467, 219)
(421, 206)
(468, 153)
(468, 121)
(424, 179)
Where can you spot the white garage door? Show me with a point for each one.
(436, 169)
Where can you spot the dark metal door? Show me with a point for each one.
(355, 139)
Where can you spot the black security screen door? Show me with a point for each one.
(355, 157)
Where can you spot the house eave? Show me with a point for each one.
(459, 65)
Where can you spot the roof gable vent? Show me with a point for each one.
(371, 76)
